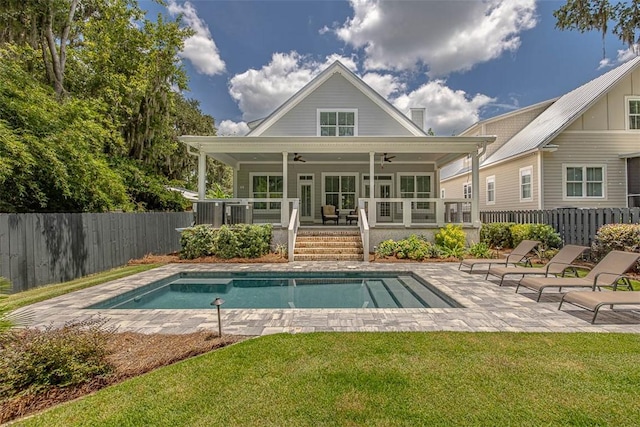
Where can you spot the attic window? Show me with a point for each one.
(338, 122)
(633, 113)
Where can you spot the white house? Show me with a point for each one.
(338, 142)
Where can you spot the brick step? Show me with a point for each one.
(323, 233)
(328, 251)
(328, 243)
(328, 239)
(325, 257)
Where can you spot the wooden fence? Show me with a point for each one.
(36, 249)
(576, 226)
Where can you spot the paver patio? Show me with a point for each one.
(487, 307)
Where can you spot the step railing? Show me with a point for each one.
(292, 231)
(363, 223)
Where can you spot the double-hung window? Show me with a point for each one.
(582, 181)
(491, 190)
(266, 186)
(338, 122)
(526, 184)
(466, 190)
(415, 186)
(633, 112)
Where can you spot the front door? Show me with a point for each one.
(305, 194)
(383, 191)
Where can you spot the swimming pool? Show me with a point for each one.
(191, 290)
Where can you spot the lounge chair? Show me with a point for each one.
(606, 273)
(329, 213)
(517, 255)
(593, 301)
(557, 265)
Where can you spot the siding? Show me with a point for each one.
(507, 185)
(609, 112)
(589, 148)
(336, 92)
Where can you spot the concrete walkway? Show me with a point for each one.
(487, 307)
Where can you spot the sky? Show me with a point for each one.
(462, 60)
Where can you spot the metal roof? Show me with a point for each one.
(561, 114)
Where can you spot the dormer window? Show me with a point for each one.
(338, 122)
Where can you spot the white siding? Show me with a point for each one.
(336, 92)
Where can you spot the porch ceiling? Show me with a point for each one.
(235, 150)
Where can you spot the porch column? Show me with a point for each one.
(475, 189)
(371, 211)
(284, 211)
(202, 175)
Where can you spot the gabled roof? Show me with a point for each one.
(336, 67)
(561, 114)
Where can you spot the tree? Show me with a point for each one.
(597, 15)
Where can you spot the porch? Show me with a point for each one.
(388, 219)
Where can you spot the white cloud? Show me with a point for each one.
(385, 84)
(260, 92)
(200, 48)
(231, 128)
(623, 55)
(448, 111)
(444, 35)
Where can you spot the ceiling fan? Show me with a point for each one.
(298, 158)
(387, 158)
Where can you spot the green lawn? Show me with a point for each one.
(42, 293)
(382, 379)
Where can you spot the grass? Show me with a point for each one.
(381, 379)
(32, 296)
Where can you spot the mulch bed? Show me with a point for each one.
(174, 258)
(132, 354)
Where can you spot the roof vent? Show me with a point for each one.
(417, 117)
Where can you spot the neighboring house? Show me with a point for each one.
(579, 150)
(338, 142)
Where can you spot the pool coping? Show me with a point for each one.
(487, 307)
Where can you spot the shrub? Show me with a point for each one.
(35, 360)
(386, 248)
(497, 234)
(451, 237)
(197, 242)
(242, 240)
(480, 250)
(621, 237)
(544, 233)
(415, 248)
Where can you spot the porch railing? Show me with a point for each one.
(417, 212)
(244, 211)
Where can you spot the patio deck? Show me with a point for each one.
(487, 307)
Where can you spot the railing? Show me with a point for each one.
(294, 224)
(364, 228)
(244, 211)
(417, 212)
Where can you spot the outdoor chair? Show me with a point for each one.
(517, 255)
(352, 216)
(593, 301)
(608, 272)
(558, 265)
(329, 213)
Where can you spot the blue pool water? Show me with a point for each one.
(284, 290)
